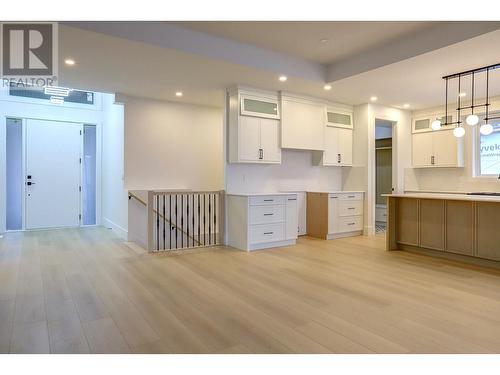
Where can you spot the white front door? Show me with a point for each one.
(53, 152)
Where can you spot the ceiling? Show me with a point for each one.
(322, 42)
(131, 64)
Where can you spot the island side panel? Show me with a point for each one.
(460, 227)
(317, 215)
(390, 236)
(407, 221)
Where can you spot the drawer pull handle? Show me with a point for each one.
(268, 214)
(351, 196)
(268, 232)
(351, 208)
(292, 199)
(351, 223)
(333, 197)
(268, 200)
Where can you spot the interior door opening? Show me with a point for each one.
(383, 171)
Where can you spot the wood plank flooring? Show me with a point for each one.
(85, 291)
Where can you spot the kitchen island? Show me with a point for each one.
(467, 225)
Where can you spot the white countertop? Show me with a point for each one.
(455, 197)
(337, 192)
(291, 193)
(260, 194)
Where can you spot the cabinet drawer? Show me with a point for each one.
(259, 200)
(267, 214)
(266, 232)
(350, 223)
(350, 196)
(380, 214)
(350, 207)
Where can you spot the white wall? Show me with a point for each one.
(362, 175)
(295, 173)
(114, 195)
(172, 146)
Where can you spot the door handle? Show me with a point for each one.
(339, 158)
(29, 183)
(261, 154)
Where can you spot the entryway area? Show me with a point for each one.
(51, 169)
(63, 159)
(383, 171)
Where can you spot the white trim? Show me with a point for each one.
(120, 232)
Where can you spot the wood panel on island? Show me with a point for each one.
(460, 225)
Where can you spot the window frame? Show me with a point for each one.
(476, 152)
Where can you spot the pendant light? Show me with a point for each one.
(472, 119)
(436, 124)
(459, 131)
(487, 128)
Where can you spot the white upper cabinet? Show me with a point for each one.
(253, 105)
(254, 127)
(302, 123)
(422, 124)
(338, 148)
(339, 118)
(437, 149)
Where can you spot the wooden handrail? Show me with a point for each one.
(132, 195)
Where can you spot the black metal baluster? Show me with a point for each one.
(199, 216)
(209, 219)
(182, 221)
(215, 219)
(170, 221)
(176, 227)
(204, 219)
(187, 221)
(192, 205)
(164, 222)
(157, 222)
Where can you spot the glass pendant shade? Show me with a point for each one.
(486, 129)
(459, 132)
(472, 120)
(436, 125)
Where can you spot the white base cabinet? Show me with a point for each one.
(334, 214)
(345, 214)
(261, 221)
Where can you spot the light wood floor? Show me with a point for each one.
(82, 290)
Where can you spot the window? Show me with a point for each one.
(488, 154)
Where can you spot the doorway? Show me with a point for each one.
(51, 174)
(383, 171)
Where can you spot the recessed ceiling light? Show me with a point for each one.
(373, 98)
(327, 87)
(69, 62)
(283, 78)
(324, 40)
(406, 105)
(179, 93)
(462, 94)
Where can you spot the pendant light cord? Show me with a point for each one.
(487, 93)
(459, 101)
(472, 106)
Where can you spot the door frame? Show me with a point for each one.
(372, 189)
(98, 126)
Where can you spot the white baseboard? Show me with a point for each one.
(120, 232)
